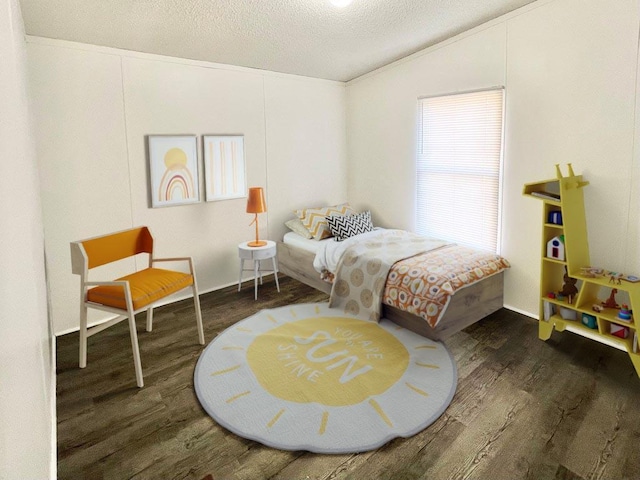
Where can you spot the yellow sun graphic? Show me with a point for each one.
(310, 377)
(175, 158)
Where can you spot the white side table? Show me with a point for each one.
(245, 252)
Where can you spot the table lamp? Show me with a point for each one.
(256, 205)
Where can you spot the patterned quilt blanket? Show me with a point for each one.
(363, 269)
(423, 284)
(409, 272)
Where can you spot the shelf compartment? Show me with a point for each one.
(626, 343)
(554, 225)
(553, 260)
(605, 329)
(552, 277)
(616, 320)
(609, 314)
(561, 324)
(580, 329)
(546, 190)
(561, 303)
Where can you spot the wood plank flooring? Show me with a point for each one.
(568, 408)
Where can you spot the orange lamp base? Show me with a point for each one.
(257, 243)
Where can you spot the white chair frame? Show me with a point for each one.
(79, 262)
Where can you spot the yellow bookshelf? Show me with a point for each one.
(564, 194)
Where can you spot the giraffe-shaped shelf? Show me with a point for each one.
(566, 268)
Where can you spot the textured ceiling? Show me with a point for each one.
(304, 37)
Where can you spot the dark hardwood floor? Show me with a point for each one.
(568, 408)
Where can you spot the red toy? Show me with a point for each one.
(611, 301)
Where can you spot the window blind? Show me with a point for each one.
(459, 168)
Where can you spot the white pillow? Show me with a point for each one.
(296, 226)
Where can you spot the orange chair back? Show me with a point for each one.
(109, 248)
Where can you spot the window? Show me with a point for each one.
(459, 168)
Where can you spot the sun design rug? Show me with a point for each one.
(307, 377)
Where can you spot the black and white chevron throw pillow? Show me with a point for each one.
(346, 226)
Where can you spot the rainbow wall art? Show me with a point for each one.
(173, 162)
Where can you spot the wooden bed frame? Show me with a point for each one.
(467, 306)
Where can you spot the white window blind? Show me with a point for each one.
(459, 168)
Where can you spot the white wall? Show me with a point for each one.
(93, 108)
(569, 68)
(27, 383)
(306, 147)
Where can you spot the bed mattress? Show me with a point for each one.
(307, 244)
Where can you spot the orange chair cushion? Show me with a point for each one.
(146, 286)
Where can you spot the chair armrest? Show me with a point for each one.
(115, 283)
(96, 283)
(176, 259)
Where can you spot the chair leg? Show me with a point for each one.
(196, 301)
(136, 349)
(83, 336)
(150, 319)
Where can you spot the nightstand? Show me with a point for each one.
(245, 252)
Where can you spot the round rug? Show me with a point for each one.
(307, 377)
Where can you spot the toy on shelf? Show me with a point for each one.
(611, 301)
(555, 248)
(614, 277)
(624, 313)
(597, 308)
(569, 288)
(549, 310)
(555, 218)
(589, 321)
(619, 331)
(591, 272)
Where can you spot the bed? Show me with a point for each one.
(296, 256)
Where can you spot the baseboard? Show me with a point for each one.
(521, 312)
(184, 297)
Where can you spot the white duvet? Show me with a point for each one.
(329, 253)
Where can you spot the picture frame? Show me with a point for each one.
(173, 170)
(224, 167)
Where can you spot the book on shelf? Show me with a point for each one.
(635, 342)
(547, 195)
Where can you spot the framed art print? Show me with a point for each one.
(173, 170)
(224, 168)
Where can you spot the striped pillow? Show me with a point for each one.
(314, 219)
(347, 226)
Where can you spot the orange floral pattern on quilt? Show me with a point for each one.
(423, 284)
